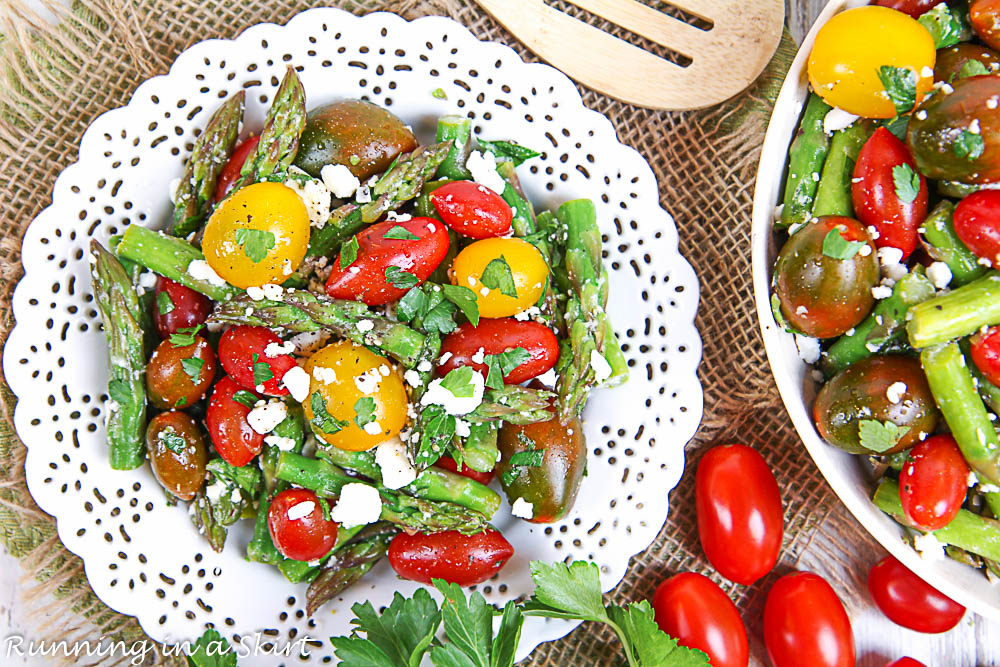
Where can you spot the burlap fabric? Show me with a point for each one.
(53, 82)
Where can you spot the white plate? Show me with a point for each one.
(144, 558)
(843, 471)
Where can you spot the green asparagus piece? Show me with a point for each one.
(524, 213)
(170, 257)
(479, 451)
(422, 205)
(513, 404)
(954, 390)
(228, 496)
(833, 195)
(261, 548)
(957, 314)
(300, 311)
(344, 222)
(146, 296)
(204, 519)
(886, 323)
(404, 180)
(407, 512)
(362, 463)
(972, 532)
(458, 131)
(279, 139)
(193, 199)
(293, 426)
(121, 312)
(349, 564)
(959, 190)
(942, 243)
(805, 160)
(297, 571)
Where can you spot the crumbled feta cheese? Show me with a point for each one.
(384, 370)
(399, 217)
(480, 356)
(255, 293)
(889, 255)
(273, 350)
(443, 360)
(235, 496)
(940, 274)
(895, 392)
(308, 342)
(455, 405)
(372, 428)
(272, 291)
(988, 488)
(873, 232)
(213, 492)
(324, 375)
(265, 416)
(147, 280)
(974, 127)
(602, 369)
(364, 326)
(523, 509)
(927, 72)
(340, 181)
(928, 547)
(300, 510)
(527, 314)
(548, 378)
(837, 119)
(483, 167)
(808, 348)
(921, 114)
(284, 444)
(394, 461)
(424, 366)
(412, 378)
(865, 250)
(368, 382)
(363, 195)
(200, 270)
(462, 428)
(296, 381)
(315, 196)
(991, 103)
(359, 505)
(881, 292)
(801, 310)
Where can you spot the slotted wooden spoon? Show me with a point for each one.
(726, 58)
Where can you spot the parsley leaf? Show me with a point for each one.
(244, 397)
(438, 431)
(508, 636)
(459, 382)
(261, 370)
(427, 307)
(898, 126)
(172, 440)
(500, 365)
(324, 507)
(401, 233)
(397, 277)
(164, 304)
(322, 419)
(516, 153)
(412, 305)
(365, 411)
(468, 624)
(348, 252)
(529, 458)
(119, 392)
(567, 591)
(906, 181)
(968, 145)
(465, 299)
(399, 636)
(971, 68)
(185, 336)
(879, 436)
(439, 93)
(900, 85)
(255, 242)
(648, 644)
(211, 650)
(944, 25)
(497, 275)
(837, 247)
(192, 366)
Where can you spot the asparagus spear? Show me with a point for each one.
(513, 404)
(524, 213)
(805, 159)
(479, 451)
(956, 314)
(121, 312)
(955, 392)
(230, 492)
(404, 180)
(349, 564)
(170, 257)
(193, 199)
(833, 193)
(457, 130)
(146, 296)
(942, 243)
(279, 139)
(300, 311)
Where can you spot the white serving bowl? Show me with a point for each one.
(845, 472)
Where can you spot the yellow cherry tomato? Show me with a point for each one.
(257, 236)
(527, 268)
(849, 50)
(344, 376)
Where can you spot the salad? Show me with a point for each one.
(890, 232)
(345, 336)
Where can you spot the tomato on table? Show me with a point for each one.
(852, 46)
(738, 502)
(933, 482)
(507, 275)
(495, 336)
(177, 453)
(226, 418)
(257, 236)
(176, 307)
(231, 171)
(460, 559)
(805, 624)
(449, 464)
(472, 209)
(243, 352)
(910, 601)
(977, 223)
(177, 376)
(392, 257)
(985, 351)
(698, 614)
(888, 193)
(298, 529)
(356, 398)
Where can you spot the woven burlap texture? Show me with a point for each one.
(55, 81)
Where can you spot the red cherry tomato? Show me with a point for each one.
(228, 428)
(494, 336)
(472, 209)
(305, 538)
(912, 7)
(977, 223)
(805, 624)
(906, 662)
(986, 353)
(365, 279)
(910, 601)
(243, 346)
(933, 482)
(181, 308)
(738, 502)
(231, 172)
(698, 614)
(459, 559)
(449, 464)
(876, 201)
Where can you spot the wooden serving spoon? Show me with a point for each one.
(725, 58)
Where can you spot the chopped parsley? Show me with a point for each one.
(322, 419)
(465, 299)
(459, 382)
(173, 441)
(879, 436)
(900, 85)
(438, 93)
(244, 397)
(969, 145)
(255, 242)
(185, 336)
(508, 150)
(837, 247)
(906, 181)
(500, 365)
(348, 252)
(119, 392)
(497, 275)
(400, 233)
(192, 367)
(261, 371)
(364, 409)
(164, 304)
(397, 277)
